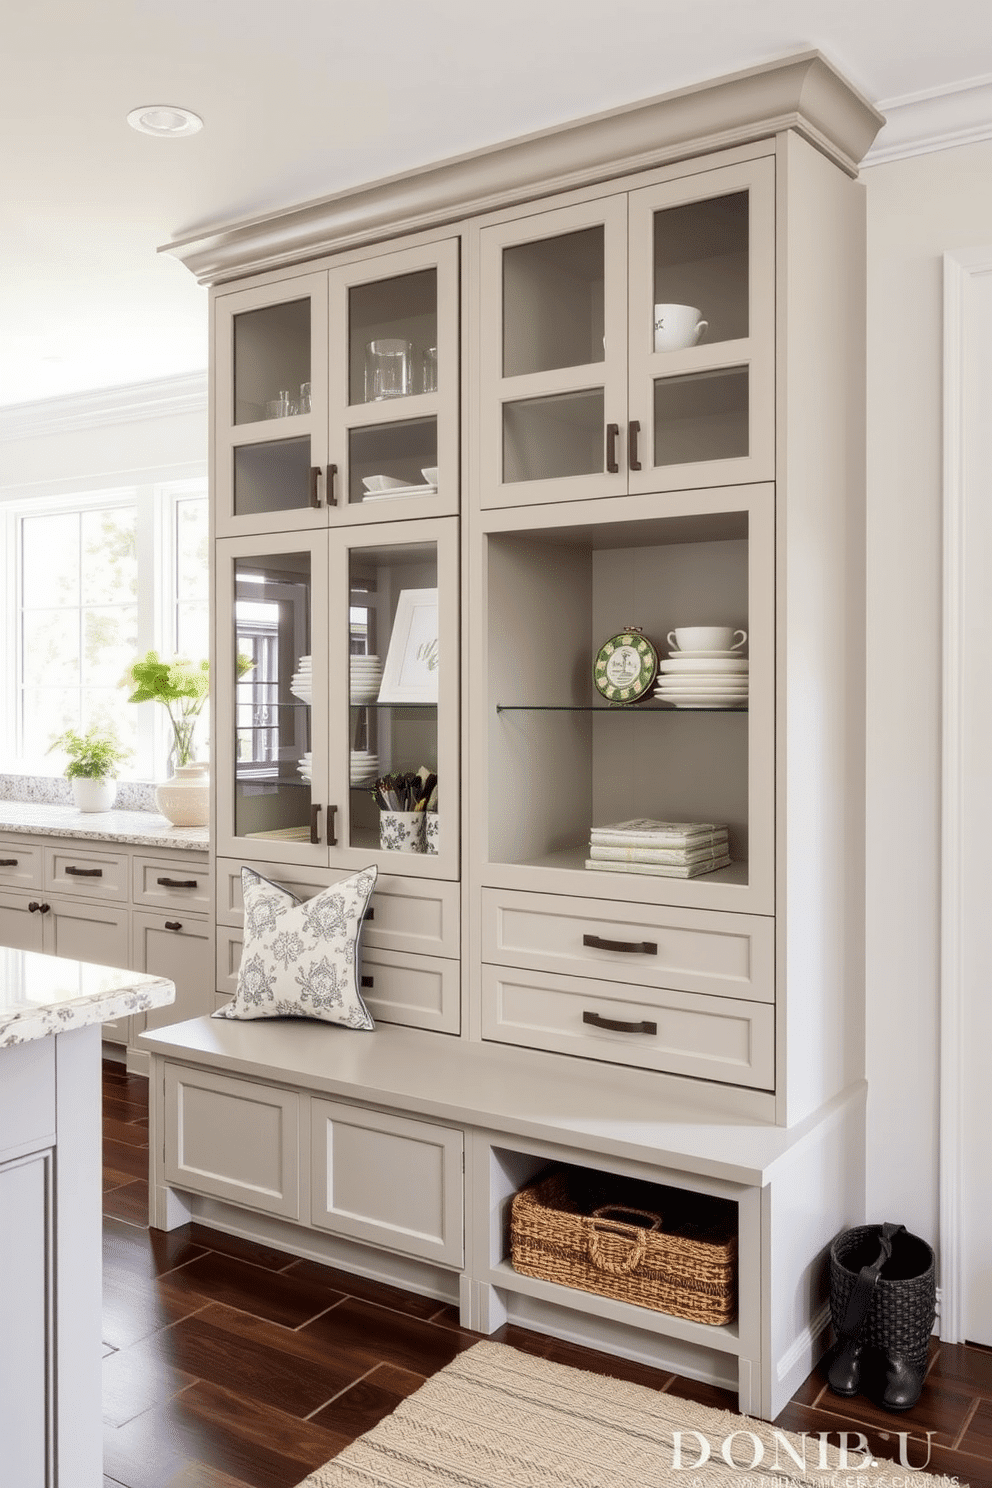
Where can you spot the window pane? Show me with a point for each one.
(110, 644)
(193, 631)
(191, 552)
(109, 560)
(51, 559)
(48, 712)
(51, 647)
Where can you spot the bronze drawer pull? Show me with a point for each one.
(177, 883)
(83, 872)
(331, 472)
(173, 924)
(315, 825)
(314, 485)
(370, 913)
(8, 862)
(33, 906)
(367, 981)
(631, 947)
(332, 840)
(617, 1025)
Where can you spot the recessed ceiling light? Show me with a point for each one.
(164, 119)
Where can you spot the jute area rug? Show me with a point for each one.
(499, 1418)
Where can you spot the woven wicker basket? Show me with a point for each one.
(904, 1303)
(642, 1243)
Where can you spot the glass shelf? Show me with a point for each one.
(625, 708)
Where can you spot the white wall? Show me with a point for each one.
(105, 438)
(917, 208)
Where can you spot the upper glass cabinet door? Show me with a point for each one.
(394, 384)
(702, 326)
(271, 407)
(553, 351)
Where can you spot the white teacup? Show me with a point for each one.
(706, 638)
(677, 326)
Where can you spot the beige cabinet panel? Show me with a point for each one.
(94, 875)
(21, 927)
(87, 932)
(21, 865)
(404, 914)
(233, 1139)
(712, 1038)
(161, 883)
(727, 955)
(180, 950)
(388, 1180)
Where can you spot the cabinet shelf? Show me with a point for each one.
(573, 859)
(623, 708)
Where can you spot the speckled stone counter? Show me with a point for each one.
(140, 828)
(43, 995)
(50, 1210)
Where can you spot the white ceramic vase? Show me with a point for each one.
(184, 799)
(96, 794)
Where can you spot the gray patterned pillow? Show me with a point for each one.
(300, 957)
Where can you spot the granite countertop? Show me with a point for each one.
(143, 828)
(44, 995)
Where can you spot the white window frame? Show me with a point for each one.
(155, 496)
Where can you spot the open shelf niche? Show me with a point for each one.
(561, 759)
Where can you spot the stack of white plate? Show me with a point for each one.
(305, 766)
(366, 675)
(301, 685)
(703, 679)
(364, 767)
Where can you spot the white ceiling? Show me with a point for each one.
(301, 98)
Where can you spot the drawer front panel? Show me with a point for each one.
(724, 955)
(179, 950)
(405, 914)
(417, 991)
(160, 884)
(90, 875)
(388, 1180)
(233, 1139)
(712, 1038)
(21, 865)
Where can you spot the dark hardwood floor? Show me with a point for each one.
(230, 1365)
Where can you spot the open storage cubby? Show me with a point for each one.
(560, 758)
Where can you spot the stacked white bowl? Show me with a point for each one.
(364, 767)
(305, 766)
(704, 668)
(366, 675)
(301, 684)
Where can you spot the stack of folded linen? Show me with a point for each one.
(668, 849)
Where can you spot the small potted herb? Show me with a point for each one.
(92, 769)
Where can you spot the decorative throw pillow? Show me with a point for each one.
(300, 957)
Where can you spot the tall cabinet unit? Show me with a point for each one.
(608, 380)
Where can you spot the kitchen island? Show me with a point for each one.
(51, 1012)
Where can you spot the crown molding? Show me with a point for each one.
(937, 119)
(167, 397)
(804, 93)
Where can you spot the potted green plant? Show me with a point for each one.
(94, 757)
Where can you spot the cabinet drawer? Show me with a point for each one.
(726, 955)
(161, 884)
(21, 865)
(417, 991)
(712, 1038)
(93, 875)
(180, 951)
(388, 1180)
(405, 914)
(233, 1139)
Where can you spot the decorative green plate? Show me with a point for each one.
(625, 667)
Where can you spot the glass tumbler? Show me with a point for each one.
(428, 370)
(388, 369)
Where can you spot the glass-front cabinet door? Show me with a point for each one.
(701, 400)
(553, 351)
(394, 384)
(270, 412)
(337, 698)
(337, 395)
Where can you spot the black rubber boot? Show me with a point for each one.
(844, 1374)
(903, 1384)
